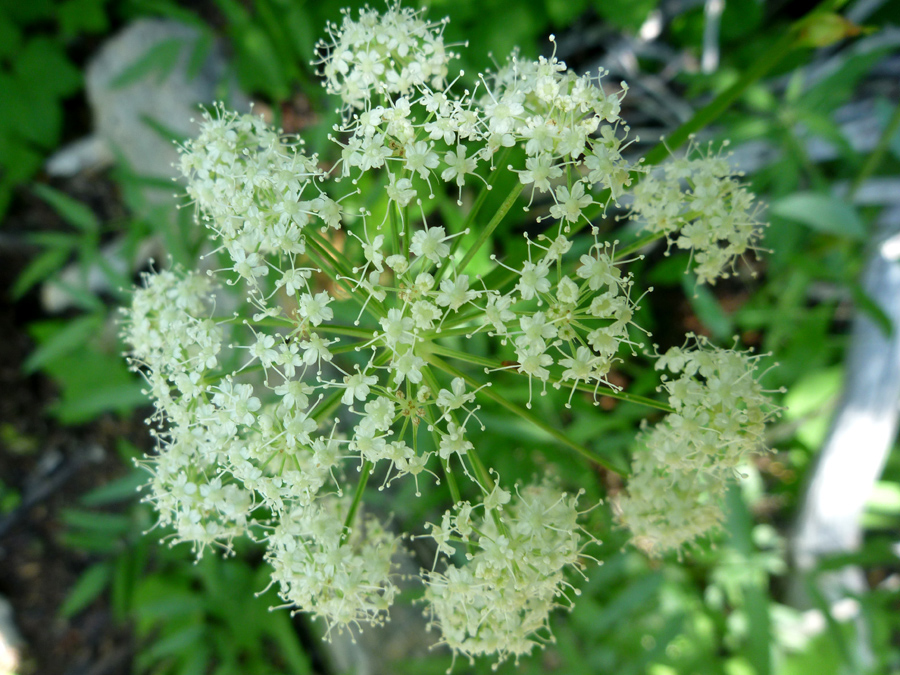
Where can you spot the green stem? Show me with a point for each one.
(328, 406)
(336, 260)
(499, 286)
(351, 331)
(580, 386)
(333, 399)
(326, 248)
(393, 215)
(477, 465)
(452, 485)
(638, 244)
(491, 226)
(525, 414)
(274, 321)
(455, 332)
(476, 207)
(357, 498)
(374, 308)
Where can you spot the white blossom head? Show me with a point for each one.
(390, 53)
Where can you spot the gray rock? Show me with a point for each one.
(144, 87)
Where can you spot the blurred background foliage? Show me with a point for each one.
(722, 609)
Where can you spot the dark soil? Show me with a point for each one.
(45, 468)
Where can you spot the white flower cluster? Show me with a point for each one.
(683, 464)
(321, 567)
(501, 599)
(392, 53)
(262, 410)
(228, 465)
(698, 203)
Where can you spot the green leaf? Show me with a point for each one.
(87, 589)
(283, 634)
(708, 309)
(258, 66)
(44, 67)
(91, 380)
(196, 662)
(181, 641)
(111, 524)
(170, 606)
(167, 8)
(10, 37)
(885, 498)
(82, 16)
(821, 212)
(161, 58)
(94, 542)
(199, 54)
(634, 596)
(71, 210)
(884, 110)
(872, 309)
(25, 13)
(826, 29)
(809, 400)
(564, 12)
(120, 490)
(122, 398)
(839, 86)
(81, 297)
(28, 112)
(70, 337)
(39, 269)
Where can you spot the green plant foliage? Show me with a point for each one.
(36, 76)
(823, 213)
(188, 618)
(719, 611)
(92, 380)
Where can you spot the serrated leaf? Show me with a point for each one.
(71, 210)
(87, 589)
(91, 381)
(821, 212)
